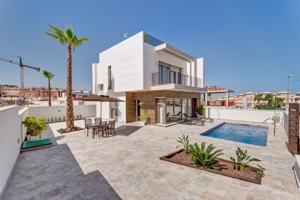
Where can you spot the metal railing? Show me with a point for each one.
(176, 78)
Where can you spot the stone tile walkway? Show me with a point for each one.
(127, 166)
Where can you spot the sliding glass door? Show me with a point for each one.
(169, 74)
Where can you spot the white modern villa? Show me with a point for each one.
(144, 71)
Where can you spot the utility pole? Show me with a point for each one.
(289, 77)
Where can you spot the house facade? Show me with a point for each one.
(155, 80)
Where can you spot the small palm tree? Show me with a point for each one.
(258, 98)
(269, 98)
(277, 102)
(49, 76)
(69, 38)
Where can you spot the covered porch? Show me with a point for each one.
(162, 106)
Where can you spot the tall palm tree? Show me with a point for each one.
(49, 76)
(69, 38)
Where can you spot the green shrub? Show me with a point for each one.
(205, 156)
(34, 126)
(242, 159)
(184, 142)
(201, 110)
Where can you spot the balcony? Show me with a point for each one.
(175, 78)
(176, 81)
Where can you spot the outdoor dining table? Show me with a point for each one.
(103, 124)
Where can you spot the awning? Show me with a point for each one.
(99, 98)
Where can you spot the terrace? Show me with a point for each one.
(127, 166)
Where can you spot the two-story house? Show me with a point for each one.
(153, 78)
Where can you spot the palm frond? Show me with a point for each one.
(48, 74)
(56, 34)
(69, 34)
(77, 42)
(56, 30)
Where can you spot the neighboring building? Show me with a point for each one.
(9, 91)
(219, 100)
(297, 97)
(13, 91)
(82, 93)
(286, 96)
(150, 76)
(42, 93)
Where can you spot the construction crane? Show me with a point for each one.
(21, 66)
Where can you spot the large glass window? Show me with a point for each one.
(169, 74)
(177, 109)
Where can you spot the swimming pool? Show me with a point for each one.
(249, 134)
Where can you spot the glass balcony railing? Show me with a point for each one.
(175, 78)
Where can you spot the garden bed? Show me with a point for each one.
(227, 167)
(64, 130)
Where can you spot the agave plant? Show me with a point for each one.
(260, 170)
(184, 142)
(205, 156)
(242, 159)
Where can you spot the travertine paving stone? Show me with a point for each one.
(127, 166)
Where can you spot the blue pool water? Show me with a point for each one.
(240, 133)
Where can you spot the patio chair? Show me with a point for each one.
(97, 120)
(87, 125)
(111, 127)
(199, 119)
(185, 117)
(99, 129)
(103, 128)
(207, 119)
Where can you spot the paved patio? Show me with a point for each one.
(127, 166)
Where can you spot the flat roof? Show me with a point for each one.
(220, 91)
(168, 48)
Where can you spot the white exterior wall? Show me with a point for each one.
(258, 116)
(126, 61)
(150, 64)
(10, 142)
(122, 108)
(95, 75)
(133, 62)
(174, 60)
(200, 71)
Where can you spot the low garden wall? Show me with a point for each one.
(259, 116)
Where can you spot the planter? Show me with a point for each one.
(227, 167)
(36, 144)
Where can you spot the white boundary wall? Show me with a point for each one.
(10, 142)
(258, 116)
(12, 132)
(59, 112)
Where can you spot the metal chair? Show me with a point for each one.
(103, 129)
(112, 127)
(87, 125)
(98, 120)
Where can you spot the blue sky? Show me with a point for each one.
(247, 45)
